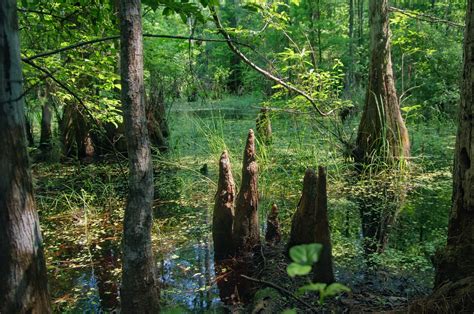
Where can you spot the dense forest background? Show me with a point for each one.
(302, 74)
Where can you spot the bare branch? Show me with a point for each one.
(425, 17)
(113, 37)
(265, 73)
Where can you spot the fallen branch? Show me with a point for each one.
(281, 289)
(265, 73)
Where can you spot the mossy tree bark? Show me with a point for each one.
(140, 288)
(23, 284)
(382, 134)
(224, 211)
(246, 228)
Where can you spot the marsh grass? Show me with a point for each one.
(81, 206)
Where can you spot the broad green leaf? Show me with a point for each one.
(306, 254)
(335, 289)
(318, 287)
(295, 269)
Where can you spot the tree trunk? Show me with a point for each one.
(223, 211)
(23, 287)
(29, 132)
(323, 271)
(246, 227)
(458, 260)
(382, 132)
(140, 288)
(46, 118)
(234, 82)
(454, 282)
(303, 222)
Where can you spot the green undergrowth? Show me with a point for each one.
(81, 206)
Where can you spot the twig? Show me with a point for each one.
(265, 73)
(113, 37)
(425, 17)
(281, 289)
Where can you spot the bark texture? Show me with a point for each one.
(458, 260)
(156, 115)
(224, 211)
(273, 234)
(140, 288)
(246, 228)
(323, 271)
(303, 222)
(23, 287)
(46, 134)
(382, 132)
(454, 282)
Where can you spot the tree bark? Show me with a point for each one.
(140, 288)
(223, 211)
(303, 222)
(46, 118)
(23, 287)
(458, 260)
(323, 271)
(246, 227)
(382, 132)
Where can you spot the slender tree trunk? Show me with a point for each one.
(382, 132)
(235, 78)
(23, 287)
(140, 288)
(29, 132)
(350, 66)
(46, 118)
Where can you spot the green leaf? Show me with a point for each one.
(289, 311)
(306, 254)
(318, 287)
(335, 289)
(295, 269)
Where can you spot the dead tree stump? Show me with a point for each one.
(303, 223)
(323, 271)
(246, 228)
(223, 211)
(273, 234)
(264, 126)
(310, 222)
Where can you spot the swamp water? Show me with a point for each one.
(186, 267)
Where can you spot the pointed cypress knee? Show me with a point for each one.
(273, 234)
(246, 228)
(323, 271)
(223, 211)
(302, 225)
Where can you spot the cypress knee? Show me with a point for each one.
(264, 126)
(323, 271)
(223, 211)
(246, 228)
(302, 226)
(273, 234)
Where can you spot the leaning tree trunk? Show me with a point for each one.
(454, 282)
(23, 287)
(246, 228)
(382, 133)
(140, 289)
